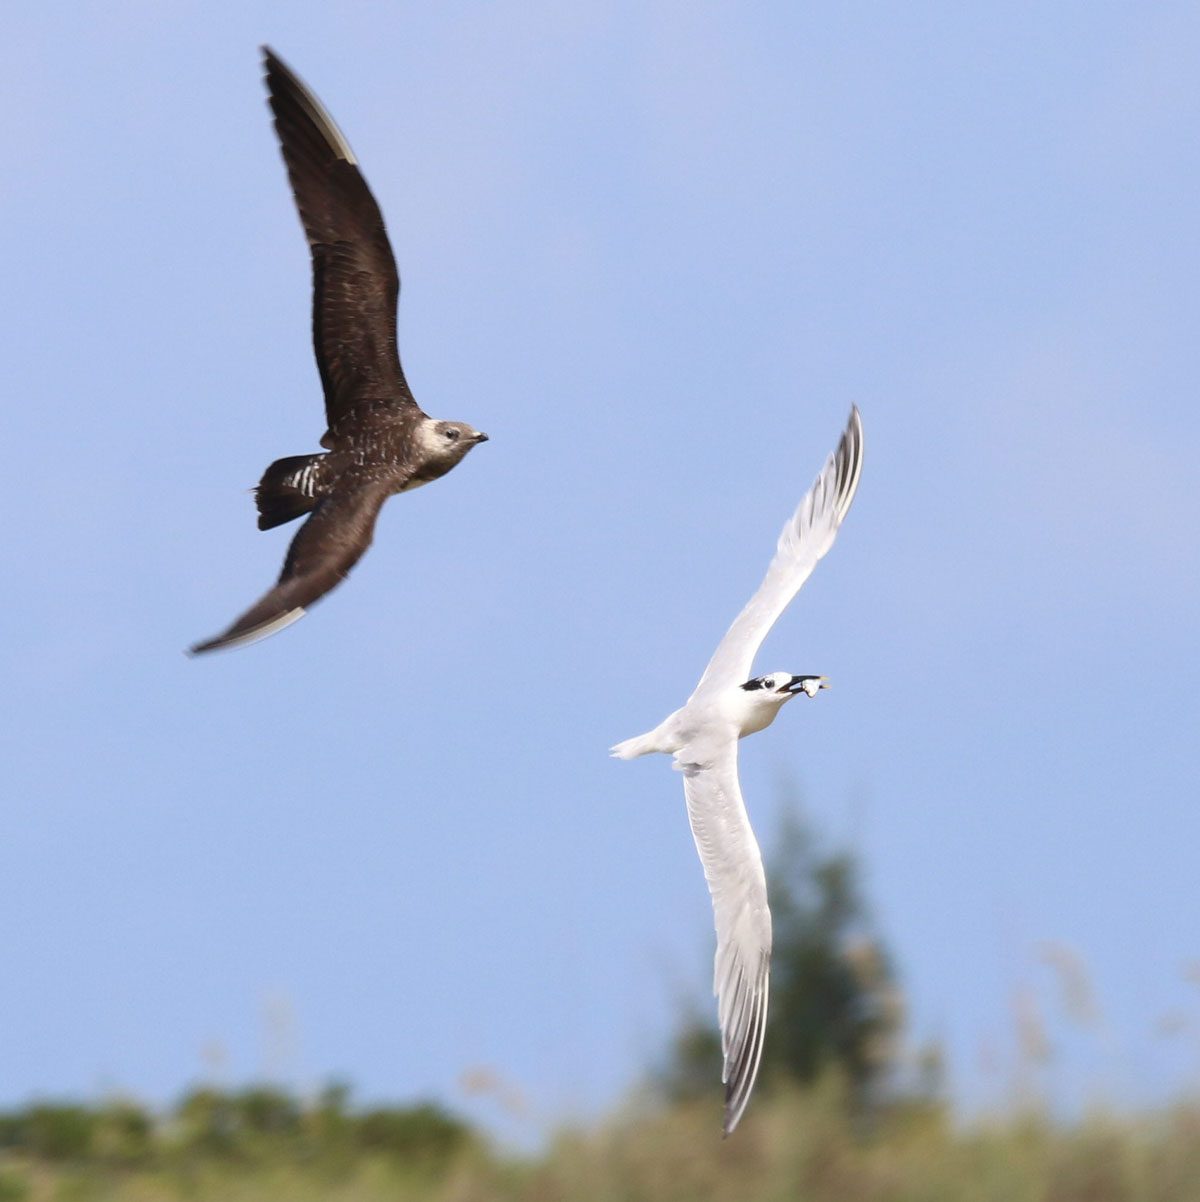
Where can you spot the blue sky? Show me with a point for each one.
(655, 250)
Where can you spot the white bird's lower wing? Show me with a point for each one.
(805, 539)
(733, 867)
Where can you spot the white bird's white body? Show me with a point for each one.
(730, 714)
(703, 737)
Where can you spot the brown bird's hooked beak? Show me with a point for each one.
(479, 436)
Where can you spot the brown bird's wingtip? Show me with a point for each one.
(272, 63)
(239, 635)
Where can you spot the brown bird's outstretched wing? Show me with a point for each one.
(326, 547)
(355, 282)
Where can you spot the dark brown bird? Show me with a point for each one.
(379, 442)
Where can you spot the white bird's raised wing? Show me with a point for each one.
(808, 535)
(734, 871)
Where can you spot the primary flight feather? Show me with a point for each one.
(703, 738)
(378, 440)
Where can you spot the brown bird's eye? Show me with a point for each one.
(452, 434)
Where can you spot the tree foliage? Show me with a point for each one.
(258, 1124)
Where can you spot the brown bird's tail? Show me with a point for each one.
(288, 490)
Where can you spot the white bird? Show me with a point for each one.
(703, 736)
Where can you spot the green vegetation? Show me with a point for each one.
(799, 1143)
(833, 1119)
(225, 1144)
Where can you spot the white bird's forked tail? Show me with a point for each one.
(630, 749)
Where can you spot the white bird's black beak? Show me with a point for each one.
(805, 684)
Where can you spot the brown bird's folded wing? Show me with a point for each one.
(326, 547)
(355, 282)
